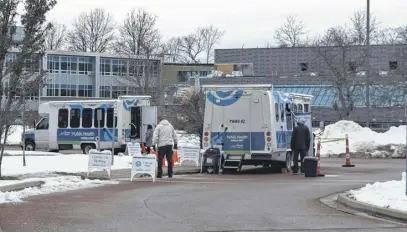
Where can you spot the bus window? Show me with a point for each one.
(75, 119)
(109, 118)
(282, 112)
(87, 118)
(300, 108)
(277, 113)
(102, 121)
(63, 118)
(306, 108)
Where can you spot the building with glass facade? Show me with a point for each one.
(78, 75)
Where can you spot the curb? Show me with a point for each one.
(20, 186)
(370, 209)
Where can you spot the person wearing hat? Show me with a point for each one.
(300, 143)
(165, 138)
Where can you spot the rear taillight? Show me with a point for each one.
(268, 134)
(268, 139)
(206, 134)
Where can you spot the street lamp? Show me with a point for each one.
(405, 117)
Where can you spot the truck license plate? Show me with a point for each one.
(209, 160)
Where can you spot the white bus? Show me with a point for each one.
(252, 124)
(71, 125)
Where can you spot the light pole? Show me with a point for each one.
(368, 59)
(405, 117)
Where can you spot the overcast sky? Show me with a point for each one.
(251, 23)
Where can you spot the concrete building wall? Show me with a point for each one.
(178, 73)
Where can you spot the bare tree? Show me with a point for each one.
(190, 112)
(22, 74)
(55, 38)
(196, 47)
(340, 60)
(358, 28)
(138, 34)
(402, 34)
(212, 36)
(173, 48)
(292, 32)
(192, 45)
(388, 36)
(92, 32)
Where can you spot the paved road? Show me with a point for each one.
(254, 200)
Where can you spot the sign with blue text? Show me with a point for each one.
(143, 165)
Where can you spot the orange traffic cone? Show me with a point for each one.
(174, 158)
(164, 163)
(347, 160)
(143, 149)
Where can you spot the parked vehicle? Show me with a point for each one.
(252, 124)
(67, 125)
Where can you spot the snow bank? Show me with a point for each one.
(13, 165)
(14, 137)
(187, 140)
(52, 185)
(364, 141)
(390, 194)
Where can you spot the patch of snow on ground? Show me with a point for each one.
(52, 185)
(390, 194)
(29, 153)
(363, 140)
(74, 163)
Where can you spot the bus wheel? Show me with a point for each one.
(87, 147)
(288, 161)
(29, 146)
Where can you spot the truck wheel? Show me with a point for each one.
(87, 147)
(29, 146)
(288, 161)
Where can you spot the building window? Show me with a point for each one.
(119, 67)
(105, 67)
(392, 65)
(109, 118)
(68, 90)
(102, 121)
(84, 65)
(85, 90)
(184, 76)
(73, 65)
(87, 118)
(118, 91)
(75, 118)
(63, 118)
(104, 91)
(352, 67)
(65, 61)
(304, 67)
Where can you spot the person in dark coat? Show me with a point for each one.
(300, 143)
(149, 139)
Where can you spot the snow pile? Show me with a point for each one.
(363, 141)
(74, 163)
(52, 185)
(390, 194)
(14, 137)
(187, 140)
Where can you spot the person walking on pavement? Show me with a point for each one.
(165, 138)
(149, 139)
(300, 143)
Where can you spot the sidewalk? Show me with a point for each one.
(125, 173)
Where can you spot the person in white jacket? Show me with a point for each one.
(165, 139)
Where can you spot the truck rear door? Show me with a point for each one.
(237, 117)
